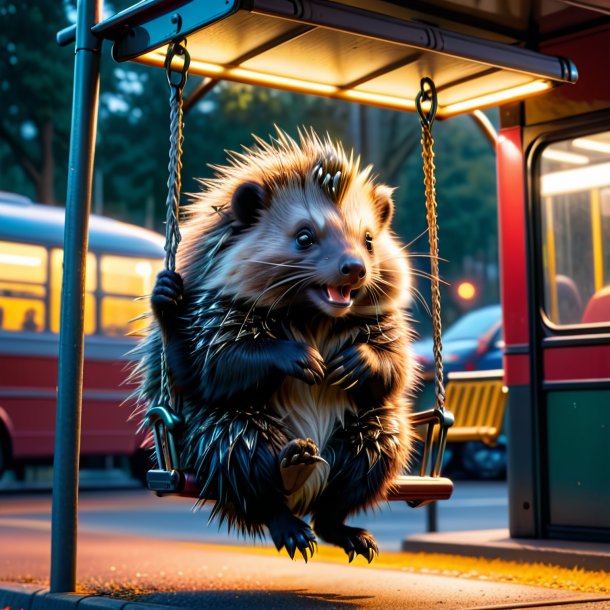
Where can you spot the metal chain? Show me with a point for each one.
(428, 94)
(172, 228)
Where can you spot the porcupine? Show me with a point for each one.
(288, 343)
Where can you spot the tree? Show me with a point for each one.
(36, 87)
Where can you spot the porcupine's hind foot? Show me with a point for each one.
(298, 460)
(353, 540)
(293, 533)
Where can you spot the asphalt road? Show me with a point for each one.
(475, 505)
(157, 550)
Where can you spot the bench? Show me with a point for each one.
(477, 400)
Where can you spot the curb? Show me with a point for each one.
(497, 544)
(14, 596)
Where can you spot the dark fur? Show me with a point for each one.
(232, 352)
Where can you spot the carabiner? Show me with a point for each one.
(427, 93)
(177, 47)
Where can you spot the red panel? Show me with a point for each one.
(516, 369)
(511, 222)
(590, 52)
(28, 390)
(590, 362)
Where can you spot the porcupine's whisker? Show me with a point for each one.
(425, 255)
(416, 238)
(408, 255)
(420, 297)
(251, 260)
(370, 290)
(287, 291)
(271, 287)
(416, 273)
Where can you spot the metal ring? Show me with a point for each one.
(177, 47)
(427, 93)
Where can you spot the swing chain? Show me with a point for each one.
(428, 94)
(172, 228)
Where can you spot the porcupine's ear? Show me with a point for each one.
(384, 204)
(247, 202)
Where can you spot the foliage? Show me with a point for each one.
(35, 86)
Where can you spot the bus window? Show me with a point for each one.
(124, 281)
(575, 205)
(23, 277)
(57, 261)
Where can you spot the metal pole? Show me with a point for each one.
(70, 381)
(432, 517)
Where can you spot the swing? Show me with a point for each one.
(165, 420)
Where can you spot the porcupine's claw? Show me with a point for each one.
(298, 459)
(353, 540)
(293, 533)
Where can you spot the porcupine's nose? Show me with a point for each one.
(353, 269)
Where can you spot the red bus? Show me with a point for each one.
(122, 263)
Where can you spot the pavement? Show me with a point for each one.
(136, 573)
(120, 569)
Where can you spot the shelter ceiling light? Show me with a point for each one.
(498, 97)
(575, 180)
(563, 156)
(335, 49)
(594, 145)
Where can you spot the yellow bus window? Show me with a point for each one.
(119, 313)
(23, 277)
(23, 262)
(575, 215)
(129, 276)
(22, 314)
(57, 259)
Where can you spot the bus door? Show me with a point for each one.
(570, 169)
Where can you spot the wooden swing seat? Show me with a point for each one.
(416, 490)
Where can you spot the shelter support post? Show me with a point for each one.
(71, 342)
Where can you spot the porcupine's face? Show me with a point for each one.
(317, 237)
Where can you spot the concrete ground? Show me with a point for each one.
(199, 576)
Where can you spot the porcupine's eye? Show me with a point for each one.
(305, 239)
(368, 240)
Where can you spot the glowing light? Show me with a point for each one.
(157, 58)
(466, 291)
(23, 261)
(493, 99)
(384, 100)
(280, 81)
(565, 157)
(575, 180)
(144, 269)
(254, 77)
(593, 145)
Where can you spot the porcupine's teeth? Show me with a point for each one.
(340, 294)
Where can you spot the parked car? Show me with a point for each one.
(472, 343)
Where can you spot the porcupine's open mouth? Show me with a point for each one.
(338, 296)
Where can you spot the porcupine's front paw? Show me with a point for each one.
(293, 533)
(353, 540)
(348, 368)
(300, 360)
(166, 296)
(298, 460)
